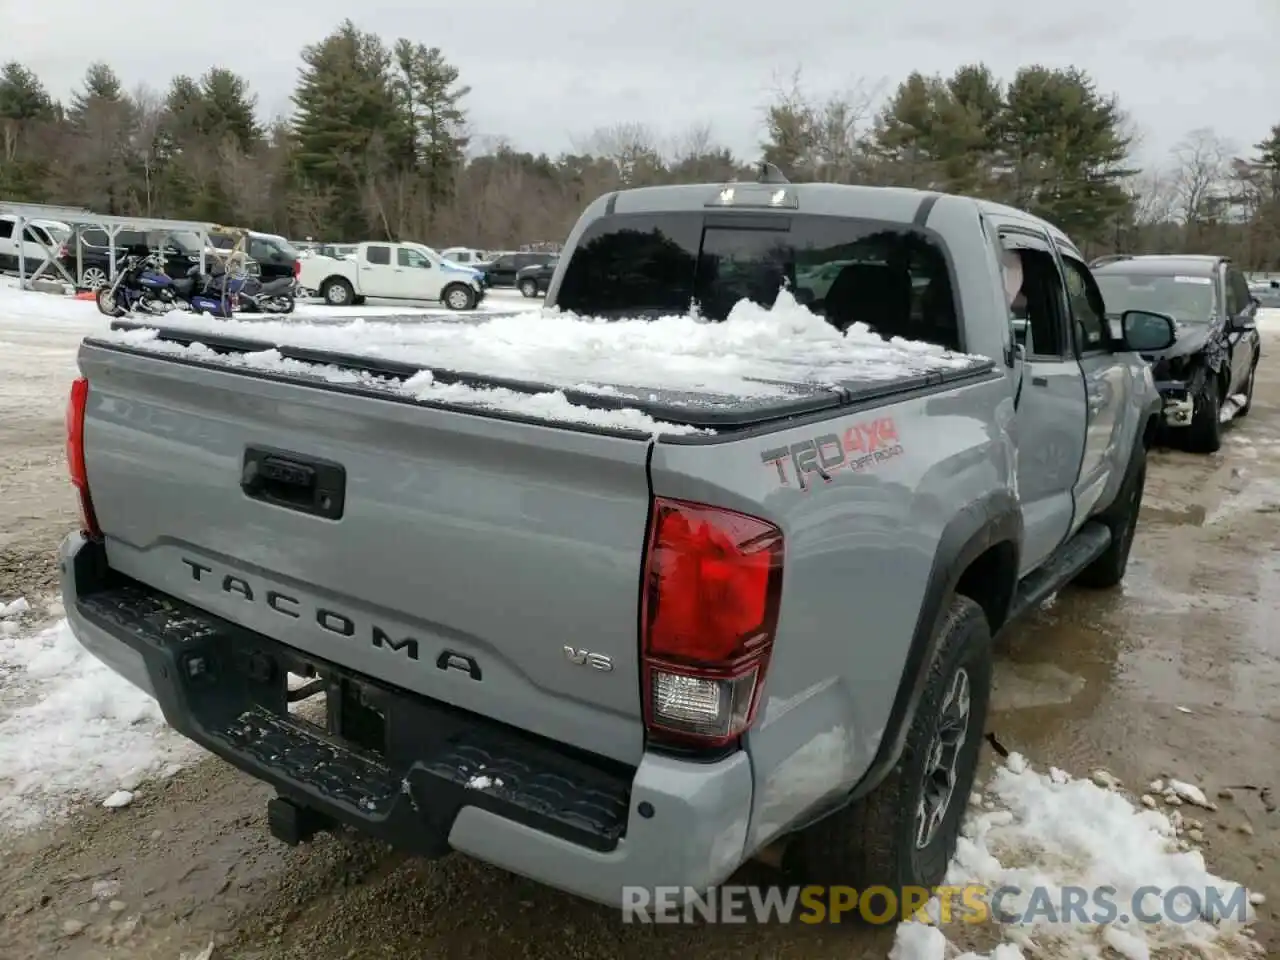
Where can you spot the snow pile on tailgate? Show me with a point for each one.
(557, 366)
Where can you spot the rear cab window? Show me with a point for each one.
(892, 277)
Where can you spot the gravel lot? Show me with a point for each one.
(1177, 673)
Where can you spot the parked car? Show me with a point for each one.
(533, 280)
(1267, 293)
(393, 271)
(275, 256)
(40, 242)
(502, 270)
(1206, 378)
(600, 653)
(179, 251)
(466, 256)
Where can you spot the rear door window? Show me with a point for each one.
(378, 255)
(633, 264)
(892, 278)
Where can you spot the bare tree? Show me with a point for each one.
(148, 148)
(1153, 197)
(1201, 169)
(632, 147)
(820, 138)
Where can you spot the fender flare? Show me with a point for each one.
(995, 518)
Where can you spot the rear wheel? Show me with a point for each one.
(337, 292)
(457, 296)
(93, 278)
(904, 833)
(529, 288)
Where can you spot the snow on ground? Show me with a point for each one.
(1053, 832)
(1269, 320)
(22, 307)
(71, 730)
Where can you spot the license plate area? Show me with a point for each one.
(340, 707)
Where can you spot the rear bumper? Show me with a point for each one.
(565, 818)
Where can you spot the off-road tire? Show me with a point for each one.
(458, 296)
(1204, 435)
(1248, 392)
(872, 842)
(338, 292)
(1122, 519)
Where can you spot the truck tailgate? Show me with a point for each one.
(470, 556)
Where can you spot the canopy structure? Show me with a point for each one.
(26, 213)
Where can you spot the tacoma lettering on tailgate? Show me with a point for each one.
(331, 621)
(860, 446)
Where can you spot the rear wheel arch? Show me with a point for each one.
(977, 556)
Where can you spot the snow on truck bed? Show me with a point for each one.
(756, 353)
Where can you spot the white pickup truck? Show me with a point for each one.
(392, 271)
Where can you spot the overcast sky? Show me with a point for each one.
(545, 74)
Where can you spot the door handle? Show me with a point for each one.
(1039, 381)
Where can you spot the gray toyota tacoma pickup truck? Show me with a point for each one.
(604, 657)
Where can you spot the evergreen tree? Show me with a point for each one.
(1066, 150)
(429, 94)
(348, 121)
(23, 97)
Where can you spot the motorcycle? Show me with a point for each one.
(217, 294)
(274, 296)
(140, 284)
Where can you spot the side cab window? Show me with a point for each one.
(1237, 291)
(1088, 311)
(6, 229)
(380, 256)
(1039, 308)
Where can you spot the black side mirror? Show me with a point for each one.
(1147, 332)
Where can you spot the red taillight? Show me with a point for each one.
(63, 252)
(297, 268)
(712, 583)
(75, 455)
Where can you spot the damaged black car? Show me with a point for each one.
(1206, 378)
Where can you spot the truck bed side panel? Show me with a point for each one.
(859, 552)
(491, 545)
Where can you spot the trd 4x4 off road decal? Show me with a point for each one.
(860, 446)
